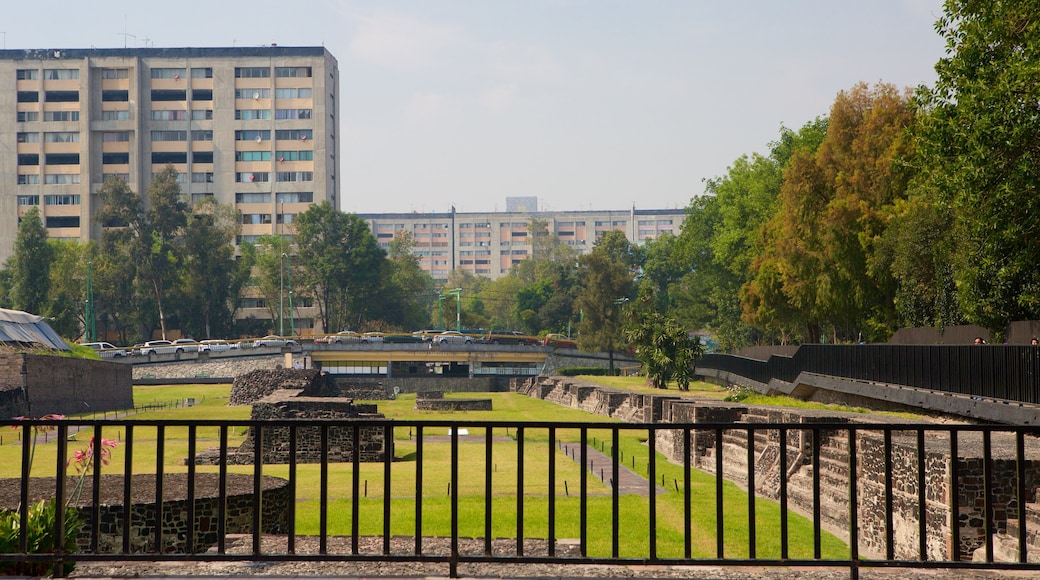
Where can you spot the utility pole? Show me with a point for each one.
(292, 317)
(89, 329)
(458, 307)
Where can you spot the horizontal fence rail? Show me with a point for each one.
(453, 493)
(1010, 372)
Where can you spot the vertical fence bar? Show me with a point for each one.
(160, 452)
(323, 492)
(853, 508)
(1020, 494)
(189, 537)
(418, 488)
(751, 492)
(922, 499)
(520, 491)
(258, 471)
(552, 492)
(720, 520)
(388, 456)
(652, 492)
(987, 491)
(453, 565)
(687, 511)
(889, 508)
(222, 492)
(584, 493)
(782, 437)
(955, 496)
(291, 540)
(488, 490)
(128, 472)
(28, 443)
(355, 490)
(615, 492)
(817, 440)
(95, 507)
(60, 499)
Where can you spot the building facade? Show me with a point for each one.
(254, 128)
(488, 244)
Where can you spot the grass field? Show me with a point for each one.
(436, 478)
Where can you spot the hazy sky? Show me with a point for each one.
(596, 104)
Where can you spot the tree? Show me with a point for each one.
(67, 296)
(607, 284)
(30, 264)
(979, 149)
(665, 350)
(406, 291)
(211, 278)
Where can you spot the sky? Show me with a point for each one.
(585, 104)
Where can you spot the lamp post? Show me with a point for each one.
(457, 292)
(281, 295)
(292, 317)
(90, 330)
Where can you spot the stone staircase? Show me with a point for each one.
(1005, 545)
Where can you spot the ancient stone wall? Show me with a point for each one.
(434, 404)
(63, 385)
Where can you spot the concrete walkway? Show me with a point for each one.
(599, 464)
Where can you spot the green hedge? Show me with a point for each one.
(575, 371)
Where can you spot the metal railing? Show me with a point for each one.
(562, 492)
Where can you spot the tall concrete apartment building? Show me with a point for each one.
(250, 127)
(488, 244)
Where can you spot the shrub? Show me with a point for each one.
(40, 538)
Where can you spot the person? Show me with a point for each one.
(978, 340)
(1034, 342)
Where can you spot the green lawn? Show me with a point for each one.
(436, 506)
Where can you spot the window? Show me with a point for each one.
(115, 115)
(294, 93)
(252, 93)
(252, 135)
(202, 135)
(256, 176)
(115, 96)
(253, 197)
(292, 71)
(252, 72)
(202, 73)
(71, 221)
(252, 155)
(252, 114)
(196, 197)
(202, 177)
(202, 94)
(664, 222)
(256, 218)
(169, 115)
(167, 73)
(29, 137)
(28, 200)
(295, 156)
(295, 176)
(285, 218)
(115, 73)
(28, 179)
(27, 116)
(251, 302)
(202, 157)
(122, 176)
(28, 96)
(61, 178)
(167, 95)
(294, 197)
(61, 199)
(28, 159)
(62, 159)
(61, 74)
(62, 96)
(169, 135)
(202, 114)
(27, 74)
(115, 158)
(61, 137)
(292, 114)
(163, 157)
(293, 134)
(620, 223)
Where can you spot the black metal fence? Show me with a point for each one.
(445, 493)
(1009, 372)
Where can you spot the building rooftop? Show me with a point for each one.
(189, 52)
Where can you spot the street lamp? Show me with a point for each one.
(281, 295)
(292, 317)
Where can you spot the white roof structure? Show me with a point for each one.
(22, 329)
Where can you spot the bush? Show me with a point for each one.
(40, 538)
(575, 371)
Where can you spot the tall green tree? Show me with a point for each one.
(979, 147)
(607, 286)
(67, 296)
(30, 264)
(407, 292)
(211, 278)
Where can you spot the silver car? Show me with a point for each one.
(452, 337)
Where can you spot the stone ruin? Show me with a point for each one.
(305, 395)
(435, 401)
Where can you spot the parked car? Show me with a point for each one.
(452, 337)
(272, 340)
(217, 346)
(426, 335)
(107, 349)
(508, 337)
(157, 347)
(343, 336)
(559, 341)
(372, 337)
(405, 338)
(185, 345)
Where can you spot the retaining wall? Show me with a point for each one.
(63, 385)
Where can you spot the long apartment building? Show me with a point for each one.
(488, 244)
(250, 127)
